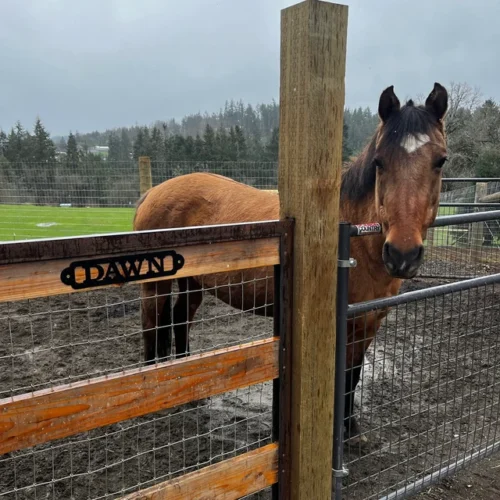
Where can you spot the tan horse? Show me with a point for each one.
(396, 181)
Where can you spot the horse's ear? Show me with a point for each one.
(437, 102)
(388, 103)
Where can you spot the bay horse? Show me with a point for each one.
(395, 181)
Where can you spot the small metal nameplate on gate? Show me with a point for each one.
(371, 228)
(123, 269)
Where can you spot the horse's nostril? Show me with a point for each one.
(392, 253)
(401, 261)
(420, 252)
(416, 253)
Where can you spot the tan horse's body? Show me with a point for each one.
(375, 188)
(200, 199)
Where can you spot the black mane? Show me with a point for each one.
(358, 181)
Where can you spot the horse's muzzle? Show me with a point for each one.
(403, 265)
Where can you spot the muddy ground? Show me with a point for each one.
(46, 342)
(480, 481)
(429, 395)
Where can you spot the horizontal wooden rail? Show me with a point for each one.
(230, 479)
(494, 197)
(43, 279)
(12, 252)
(31, 419)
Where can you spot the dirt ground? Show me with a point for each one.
(480, 481)
(460, 262)
(429, 395)
(52, 341)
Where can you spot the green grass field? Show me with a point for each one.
(21, 222)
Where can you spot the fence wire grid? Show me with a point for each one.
(50, 341)
(462, 251)
(112, 183)
(429, 392)
(39, 200)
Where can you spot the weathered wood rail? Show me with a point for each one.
(35, 269)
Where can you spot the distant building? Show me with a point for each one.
(99, 150)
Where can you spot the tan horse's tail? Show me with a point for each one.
(138, 203)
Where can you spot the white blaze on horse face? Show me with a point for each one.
(413, 142)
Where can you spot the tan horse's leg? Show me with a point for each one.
(190, 298)
(156, 317)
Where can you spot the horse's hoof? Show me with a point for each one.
(356, 438)
(359, 438)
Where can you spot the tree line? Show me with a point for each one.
(240, 141)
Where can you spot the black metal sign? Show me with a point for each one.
(123, 269)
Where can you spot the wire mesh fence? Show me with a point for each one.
(462, 251)
(116, 460)
(64, 339)
(112, 184)
(428, 400)
(262, 175)
(40, 200)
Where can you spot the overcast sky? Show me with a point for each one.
(97, 64)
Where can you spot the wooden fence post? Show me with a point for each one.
(145, 178)
(476, 232)
(313, 53)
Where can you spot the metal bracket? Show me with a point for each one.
(344, 472)
(347, 263)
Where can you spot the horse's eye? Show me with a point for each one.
(441, 162)
(377, 163)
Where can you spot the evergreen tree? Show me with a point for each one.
(72, 154)
(3, 143)
(18, 144)
(156, 145)
(167, 148)
(147, 142)
(189, 148)
(62, 144)
(488, 162)
(241, 146)
(125, 146)
(114, 144)
(142, 144)
(138, 144)
(177, 148)
(209, 144)
(221, 145)
(272, 147)
(43, 149)
(198, 148)
(346, 149)
(232, 150)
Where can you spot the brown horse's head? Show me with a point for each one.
(409, 151)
